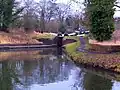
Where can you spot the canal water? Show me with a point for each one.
(46, 70)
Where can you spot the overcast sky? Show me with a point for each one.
(76, 7)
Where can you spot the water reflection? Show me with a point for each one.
(59, 50)
(116, 85)
(45, 70)
(8, 76)
(94, 82)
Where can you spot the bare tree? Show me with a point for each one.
(51, 10)
(41, 14)
(29, 15)
(117, 3)
(45, 10)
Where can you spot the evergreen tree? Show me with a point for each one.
(8, 13)
(62, 28)
(101, 18)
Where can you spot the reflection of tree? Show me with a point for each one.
(48, 69)
(94, 82)
(52, 70)
(7, 75)
(41, 67)
(28, 68)
(44, 70)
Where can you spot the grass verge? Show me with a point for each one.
(44, 35)
(109, 62)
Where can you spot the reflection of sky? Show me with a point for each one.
(50, 73)
(60, 85)
(116, 86)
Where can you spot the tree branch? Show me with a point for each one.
(117, 6)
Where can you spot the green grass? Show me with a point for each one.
(107, 61)
(72, 37)
(71, 48)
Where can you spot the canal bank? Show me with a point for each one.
(80, 54)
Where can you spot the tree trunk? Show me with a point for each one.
(4, 29)
(42, 21)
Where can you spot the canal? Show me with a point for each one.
(46, 70)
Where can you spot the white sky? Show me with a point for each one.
(76, 7)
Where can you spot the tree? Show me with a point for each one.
(81, 16)
(101, 18)
(69, 21)
(62, 28)
(51, 10)
(116, 4)
(45, 10)
(86, 14)
(76, 22)
(8, 13)
(29, 15)
(63, 11)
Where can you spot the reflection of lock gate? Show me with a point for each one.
(60, 41)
